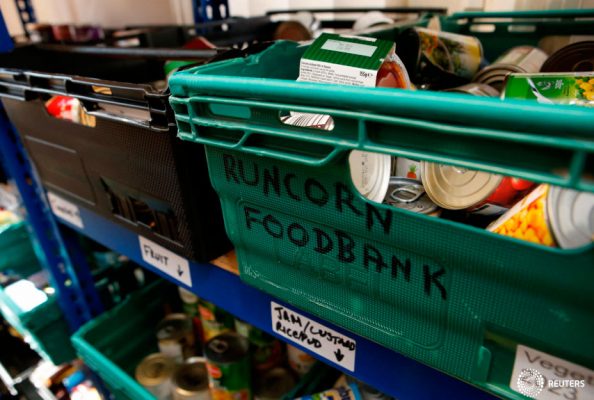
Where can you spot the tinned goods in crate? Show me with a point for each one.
(476, 89)
(190, 304)
(575, 57)
(175, 336)
(407, 168)
(299, 361)
(552, 88)
(190, 381)
(154, 373)
(266, 351)
(521, 59)
(214, 320)
(409, 194)
(228, 365)
(274, 384)
(436, 59)
(550, 216)
(348, 392)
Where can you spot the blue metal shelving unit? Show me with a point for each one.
(210, 10)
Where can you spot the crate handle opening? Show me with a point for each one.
(482, 28)
(322, 122)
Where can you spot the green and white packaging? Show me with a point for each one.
(552, 88)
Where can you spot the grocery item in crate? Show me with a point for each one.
(552, 88)
(190, 381)
(274, 384)
(409, 194)
(349, 392)
(457, 188)
(228, 365)
(576, 57)
(190, 304)
(299, 361)
(154, 373)
(368, 392)
(214, 320)
(438, 60)
(7, 218)
(476, 89)
(371, 19)
(354, 61)
(407, 168)
(550, 216)
(266, 351)
(302, 26)
(176, 337)
(521, 59)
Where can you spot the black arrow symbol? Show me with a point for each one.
(339, 355)
(180, 272)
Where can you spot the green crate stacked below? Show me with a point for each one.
(43, 326)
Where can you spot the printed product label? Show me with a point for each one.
(65, 210)
(326, 342)
(577, 89)
(323, 72)
(542, 376)
(170, 263)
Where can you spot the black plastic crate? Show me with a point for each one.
(132, 170)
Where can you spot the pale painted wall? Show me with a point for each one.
(114, 13)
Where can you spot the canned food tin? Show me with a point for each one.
(228, 367)
(457, 188)
(550, 216)
(274, 384)
(214, 319)
(576, 57)
(299, 361)
(266, 351)
(439, 59)
(190, 381)
(371, 19)
(519, 59)
(154, 374)
(370, 173)
(476, 89)
(409, 194)
(552, 88)
(176, 337)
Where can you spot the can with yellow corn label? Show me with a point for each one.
(550, 216)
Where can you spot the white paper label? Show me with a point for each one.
(542, 376)
(324, 72)
(349, 47)
(165, 260)
(326, 342)
(65, 210)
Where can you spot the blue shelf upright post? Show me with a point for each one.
(6, 44)
(26, 14)
(210, 10)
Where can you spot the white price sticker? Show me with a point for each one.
(326, 342)
(65, 210)
(165, 260)
(542, 376)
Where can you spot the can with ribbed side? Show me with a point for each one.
(154, 373)
(476, 89)
(520, 59)
(190, 381)
(228, 365)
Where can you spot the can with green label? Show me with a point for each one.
(228, 365)
(552, 88)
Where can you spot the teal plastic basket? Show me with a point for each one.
(43, 327)
(453, 296)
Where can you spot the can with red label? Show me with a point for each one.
(457, 188)
(228, 365)
(214, 320)
(550, 216)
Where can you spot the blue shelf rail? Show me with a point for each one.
(380, 367)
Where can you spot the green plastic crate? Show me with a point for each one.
(114, 343)
(43, 327)
(454, 296)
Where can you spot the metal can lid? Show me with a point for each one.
(275, 383)
(174, 327)
(370, 173)
(571, 216)
(154, 369)
(190, 378)
(227, 347)
(187, 296)
(457, 188)
(476, 89)
(409, 194)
